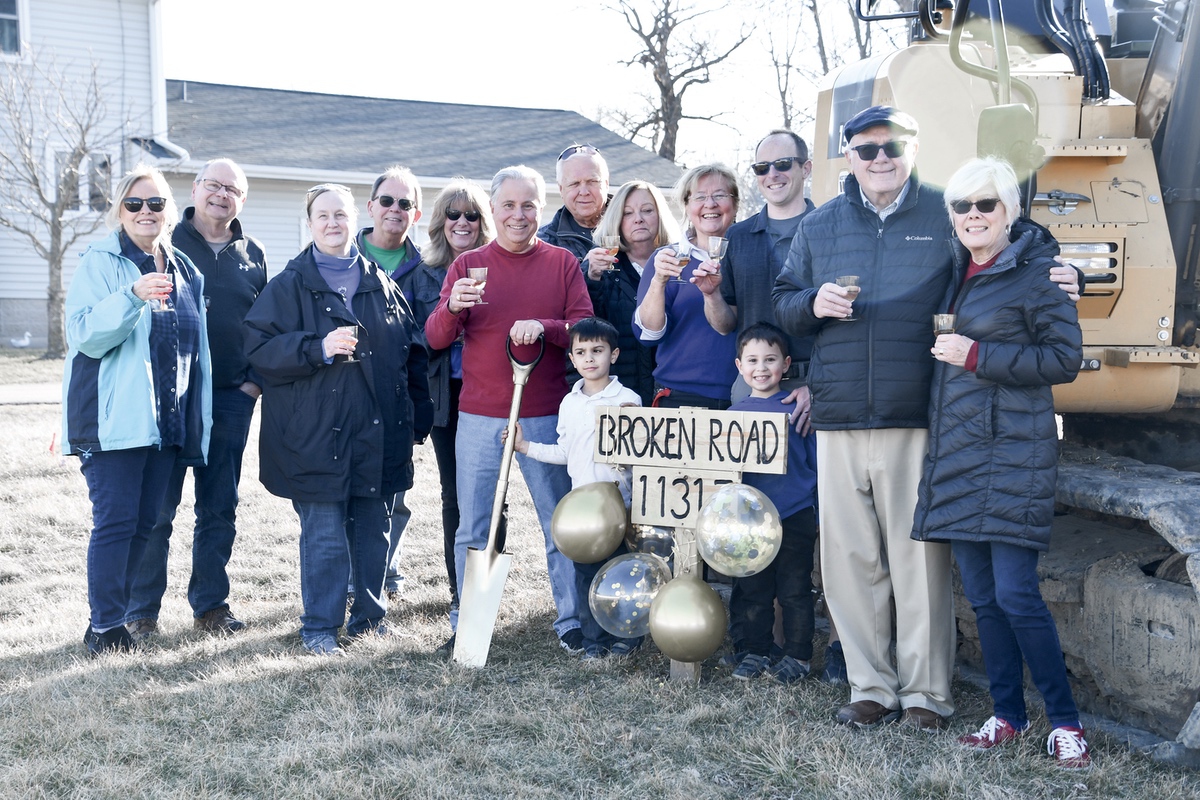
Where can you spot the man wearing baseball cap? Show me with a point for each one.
(869, 376)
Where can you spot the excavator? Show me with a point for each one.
(1096, 105)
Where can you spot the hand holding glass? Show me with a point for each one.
(160, 303)
(352, 332)
(479, 275)
(683, 251)
(850, 284)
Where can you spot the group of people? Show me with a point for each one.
(906, 447)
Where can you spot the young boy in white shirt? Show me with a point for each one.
(593, 351)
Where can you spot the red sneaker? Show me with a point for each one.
(1069, 748)
(994, 732)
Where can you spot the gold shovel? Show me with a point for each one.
(487, 570)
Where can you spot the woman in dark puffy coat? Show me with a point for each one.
(346, 396)
(988, 484)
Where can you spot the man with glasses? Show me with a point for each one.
(583, 183)
(235, 271)
(870, 375)
(394, 207)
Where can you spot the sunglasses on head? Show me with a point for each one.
(986, 206)
(867, 152)
(453, 214)
(588, 149)
(405, 204)
(134, 204)
(780, 165)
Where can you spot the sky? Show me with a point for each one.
(531, 53)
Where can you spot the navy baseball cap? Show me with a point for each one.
(879, 115)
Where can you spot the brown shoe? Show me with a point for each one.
(219, 620)
(866, 714)
(142, 629)
(923, 719)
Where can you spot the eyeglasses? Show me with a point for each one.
(453, 214)
(868, 152)
(587, 149)
(216, 186)
(986, 206)
(702, 199)
(780, 165)
(405, 204)
(134, 204)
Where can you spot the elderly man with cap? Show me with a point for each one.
(869, 376)
(583, 183)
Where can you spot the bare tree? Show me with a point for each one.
(52, 123)
(680, 55)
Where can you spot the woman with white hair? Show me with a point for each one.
(346, 395)
(989, 476)
(137, 387)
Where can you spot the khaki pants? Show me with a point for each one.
(867, 485)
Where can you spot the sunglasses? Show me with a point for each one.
(453, 214)
(867, 152)
(405, 204)
(134, 204)
(216, 186)
(780, 165)
(588, 149)
(985, 206)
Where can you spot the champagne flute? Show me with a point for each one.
(850, 284)
(352, 330)
(479, 275)
(160, 304)
(683, 249)
(613, 245)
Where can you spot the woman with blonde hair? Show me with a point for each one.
(137, 387)
(638, 217)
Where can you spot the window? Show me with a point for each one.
(10, 28)
(99, 182)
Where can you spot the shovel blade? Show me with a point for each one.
(483, 586)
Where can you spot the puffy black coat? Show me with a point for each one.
(563, 231)
(993, 443)
(335, 431)
(614, 298)
(873, 372)
(426, 288)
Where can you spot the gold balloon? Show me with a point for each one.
(738, 531)
(589, 522)
(688, 619)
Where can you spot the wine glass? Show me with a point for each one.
(613, 245)
(850, 284)
(479, 275)
(717, 246)
(683, 249)
(160, 304)
(943, 323)
(353, 331)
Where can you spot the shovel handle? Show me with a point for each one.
(523, 369)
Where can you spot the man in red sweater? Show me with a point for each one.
(532, 289)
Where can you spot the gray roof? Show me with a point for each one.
(308, 130)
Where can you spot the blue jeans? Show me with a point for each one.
(397, 522)
(339, 539)
(1001, 583)
(478, 451)
(216, 485)
(126, 488)
(787, 579)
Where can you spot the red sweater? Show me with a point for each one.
(544, 283)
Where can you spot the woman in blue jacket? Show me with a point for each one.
(137, 387)
(345, 397)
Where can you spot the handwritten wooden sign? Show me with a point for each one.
(680, 455)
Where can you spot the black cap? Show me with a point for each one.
(879, 115)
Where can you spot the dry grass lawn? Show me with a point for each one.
(251, 716)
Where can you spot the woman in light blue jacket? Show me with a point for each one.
(137, 387)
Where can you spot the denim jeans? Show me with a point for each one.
(1001, 583)
(216, 485)
(336, 538)
(398, 521)
(126, 488)
(478, 451)
(787, 579)
(443, 451)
